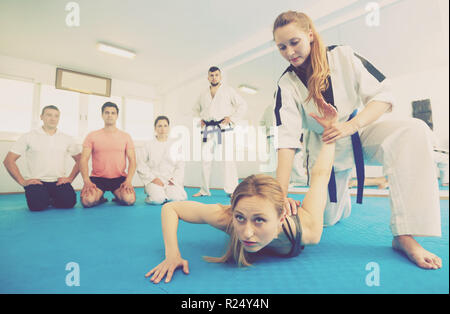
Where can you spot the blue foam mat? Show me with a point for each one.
(115, 246)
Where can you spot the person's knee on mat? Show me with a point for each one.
(128, 199)
(175, 194)
(125, 198)
(66, 204)
(38, 207)
(89, 201)
(88, 204)
(176, 197)
(155, 200)
(155, 194)
(65, 197)
(37, 197)
(38, 202)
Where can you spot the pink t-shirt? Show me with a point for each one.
(109, 158)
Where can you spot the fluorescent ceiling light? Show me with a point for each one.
(116, 51)
(248, 89)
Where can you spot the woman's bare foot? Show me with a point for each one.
(197, 194)
(415, 252)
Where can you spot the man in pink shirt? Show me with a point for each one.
(110, 148)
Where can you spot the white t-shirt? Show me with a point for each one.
(45, 154)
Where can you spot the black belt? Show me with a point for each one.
(216, 128)
(359, 162)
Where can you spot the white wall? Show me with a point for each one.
(15, 68)
(410, 46)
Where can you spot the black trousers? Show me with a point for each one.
(39, 197)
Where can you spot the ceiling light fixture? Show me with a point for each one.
(248, 89)
(116, 51)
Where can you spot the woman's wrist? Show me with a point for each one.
(173, 254)
(355, 124)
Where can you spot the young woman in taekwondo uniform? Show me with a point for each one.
(338, 76)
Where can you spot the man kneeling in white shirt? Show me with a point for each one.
(46, 149)
(161, 171)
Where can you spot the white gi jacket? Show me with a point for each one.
(226, 103)
(156, 160)
(354, 82)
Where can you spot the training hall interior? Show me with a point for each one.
(151, 58)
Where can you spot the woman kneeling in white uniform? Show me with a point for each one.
(336, 75)
(161, 171)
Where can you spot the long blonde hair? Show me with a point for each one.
(318, 70)
(255, 185)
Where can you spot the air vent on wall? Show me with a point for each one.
(82, 82)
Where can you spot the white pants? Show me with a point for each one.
(406, 153)
(158, 195)
(342, 209)
(298, 174)
(441, 160)
(270, 166)
(212, 150)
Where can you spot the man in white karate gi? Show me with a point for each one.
(219, 107)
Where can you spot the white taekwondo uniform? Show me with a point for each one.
(298, 174)
(440, 153)
(401, 146)
(158, 159)
(225, 103)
